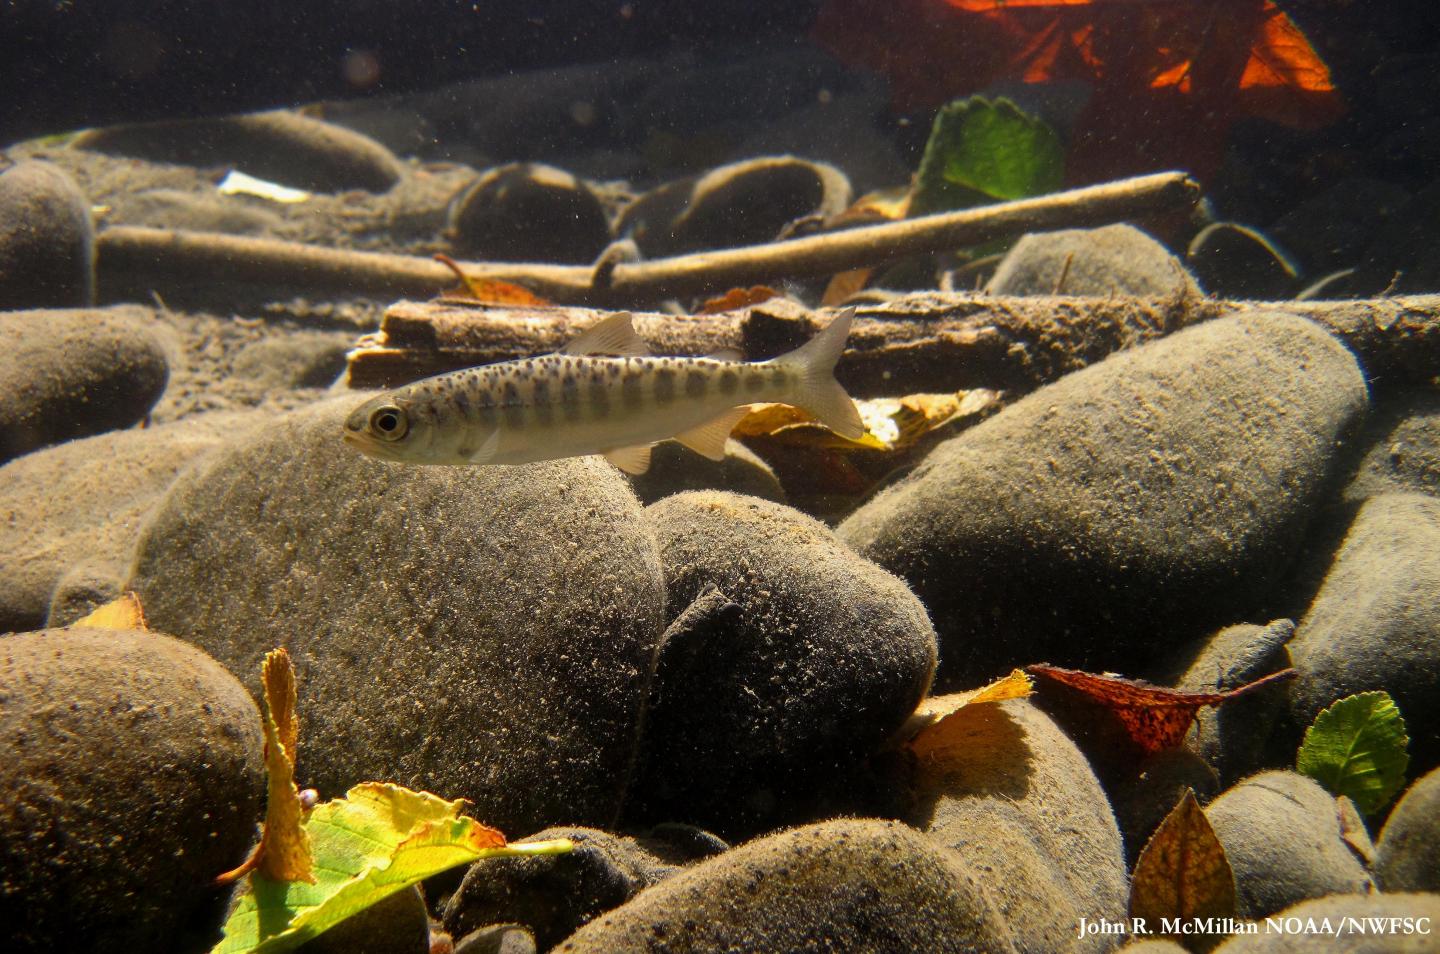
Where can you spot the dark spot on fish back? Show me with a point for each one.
(729, 381)
(696, 383)
(664, 385)
(755, 381)
(630, 389)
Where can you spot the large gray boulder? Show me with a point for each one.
(481, 632)
(1375, 622)
(73, 511)
(853, 885)
(1407, 856)
(1132, 505)
(131, 775)
(1281, 832)
(47, 239)
(1016, 799)
(790, 658)
(72, 373)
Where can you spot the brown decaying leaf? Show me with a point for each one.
(284, 850)
(121, 613)
(844, 284)
(946, 714)
(1155, 718)
(1183, 874)
(738, 298)
(487, 291)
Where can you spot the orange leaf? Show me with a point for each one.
(488, 291)
(284, 850)
(1182, 875)
(121, 613)
(1154, 718)
(737, 298)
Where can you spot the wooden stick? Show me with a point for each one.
(924, 342)
(129, 251)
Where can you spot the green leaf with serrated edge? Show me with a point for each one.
(377, 840)
(1357, 748)
(980, 151)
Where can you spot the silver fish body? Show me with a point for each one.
(588, 400)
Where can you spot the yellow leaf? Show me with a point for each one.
(122, 613)
(284, 850)
(945, 717)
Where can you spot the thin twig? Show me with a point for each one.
(128, 253)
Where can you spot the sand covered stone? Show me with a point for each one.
(1407, 856)
(797, 659)
(1018, 801)
(744, 203)
(1235, 738)
(528, 212)
(477, 632)
(72, 512)
(1375, 622)
(71, 373)
(1113, 260)
(206, 212)
(1303, 929)
(47, 240)
(1403, 454)
(853, 884)
(305, 359)
(279, 145)
(553, 895)
(1104, 519)
(675, 468)
(1281, 832)
(398, 924)
(130, 776)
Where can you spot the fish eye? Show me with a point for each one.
(389, 423)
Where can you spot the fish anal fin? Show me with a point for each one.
(632, 460)
(613, 335)
(709, 438)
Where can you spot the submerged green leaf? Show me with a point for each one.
(980, 151)
(377, 840)
(1357, 748)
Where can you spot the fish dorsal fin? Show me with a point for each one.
(632, 460)
(709, 438)
(726, 354)
(613, 335)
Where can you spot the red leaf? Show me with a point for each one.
(1168, 77)
(1154, 718)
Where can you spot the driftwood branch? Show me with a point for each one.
(923, 342)
(130, 251)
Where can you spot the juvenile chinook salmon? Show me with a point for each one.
(603, 393)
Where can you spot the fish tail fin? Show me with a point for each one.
(818, 391)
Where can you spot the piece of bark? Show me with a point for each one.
(132, 254)
(935, 341)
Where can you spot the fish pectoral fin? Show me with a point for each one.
(632, 460)
(487, 450)
(709, 438)
(614, 335)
